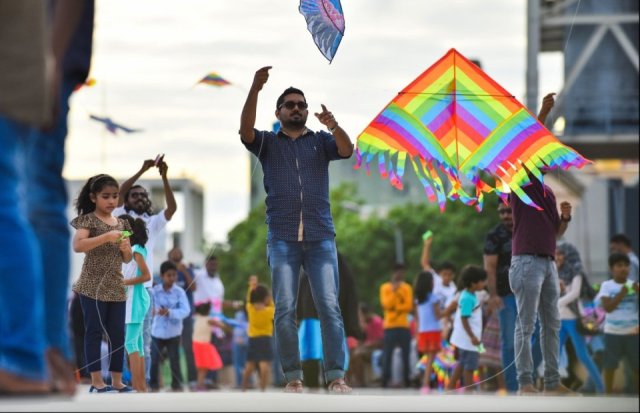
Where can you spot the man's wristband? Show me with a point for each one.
(563, 219)
(333, 129)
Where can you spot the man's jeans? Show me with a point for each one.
(34, 279)
(319, 260)
(508, 318)
(534, 282)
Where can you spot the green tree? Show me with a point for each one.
(367, 243)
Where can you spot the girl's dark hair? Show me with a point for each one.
(203, 308)
(139, 229)
(94, 185)
(259, 294)
(423, 286)
(471, 274)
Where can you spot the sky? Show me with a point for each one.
(149, 54)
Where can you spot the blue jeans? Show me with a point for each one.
(320, 262)
(508, 317)
(46, 208)
(393, 337)
(22, 324)
(568, 329)
(534, 282)
(33, 214)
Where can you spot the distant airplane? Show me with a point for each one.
(112, 126)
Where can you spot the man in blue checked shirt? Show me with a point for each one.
(170, 307)
(295, 162)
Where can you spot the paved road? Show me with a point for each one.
(367, 400)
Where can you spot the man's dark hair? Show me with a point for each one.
(286, 92)
(471, 274)
(621, 239)
(166, 266)
(617, 257)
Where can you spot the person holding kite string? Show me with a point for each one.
(103, 297)
(533, 277)
(295, 162)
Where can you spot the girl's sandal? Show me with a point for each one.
(338, 386)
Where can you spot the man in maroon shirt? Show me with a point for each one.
(534, 278)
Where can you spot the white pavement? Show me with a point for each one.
(361, 400)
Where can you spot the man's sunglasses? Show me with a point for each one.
(291, 104)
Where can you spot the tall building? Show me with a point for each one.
(598, 105)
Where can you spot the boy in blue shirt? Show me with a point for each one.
(170, 307)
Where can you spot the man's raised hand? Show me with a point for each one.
(260, 78)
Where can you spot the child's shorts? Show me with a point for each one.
(468, 359)
(429, 341)
(260, 348)
(617, 347)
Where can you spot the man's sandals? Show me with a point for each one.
(338, 386)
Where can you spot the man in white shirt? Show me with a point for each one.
(134, 200)
(209, 288)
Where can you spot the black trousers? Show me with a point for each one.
(173, 349)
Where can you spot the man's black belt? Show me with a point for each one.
(546, 256)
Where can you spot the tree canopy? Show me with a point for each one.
(369, 243)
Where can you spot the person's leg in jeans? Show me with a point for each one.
(404, 340)
(526, 278)
(94, 312)
(550, 324)
(187, 346)
(321, 264)
(46, 207)
(389, 341)
(115, 328)
(285, 261)
(173, 347)
(508, 317)
(23, 340)
(536, 349)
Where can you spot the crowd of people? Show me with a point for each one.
(519, 307)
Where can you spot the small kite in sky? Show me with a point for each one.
(454, 121)
(325, 22)
(214, 79)
(112, 126)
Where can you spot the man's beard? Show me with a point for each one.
(140, 208)
(294, 123)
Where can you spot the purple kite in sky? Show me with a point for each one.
(325, 22)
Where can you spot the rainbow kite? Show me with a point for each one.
(454, 122)
(214, 79)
